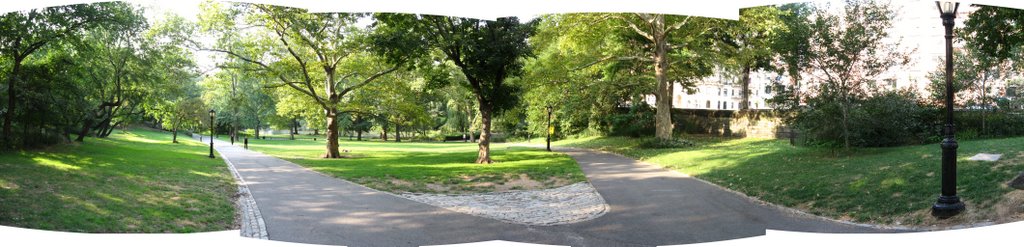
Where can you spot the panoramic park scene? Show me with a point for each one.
(581, 129)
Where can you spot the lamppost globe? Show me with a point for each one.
(946, 7)
(948, 203)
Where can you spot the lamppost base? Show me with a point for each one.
(947, 206)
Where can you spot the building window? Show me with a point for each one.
(708, 104)
(768, 89)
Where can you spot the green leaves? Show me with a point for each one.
(486, 52)
(995, 31)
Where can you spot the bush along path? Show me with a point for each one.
(648, 206)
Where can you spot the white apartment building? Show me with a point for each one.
(917, 30)
(722, 91)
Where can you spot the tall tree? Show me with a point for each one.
(26, 32)
(995, 32)
(994, 44)
(792, 44)
(303, 50)
(118, 62)
(673, 49)
(850, 52)
(487, 53)
(585, 54)
(749, 43)
(973, 76)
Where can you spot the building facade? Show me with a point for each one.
(917, 31)
(722, 91)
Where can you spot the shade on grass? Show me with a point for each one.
(410, 167)
(875, 185)
(136, 181)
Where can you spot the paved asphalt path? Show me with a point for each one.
(649, 206)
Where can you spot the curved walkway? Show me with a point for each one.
(648, 206)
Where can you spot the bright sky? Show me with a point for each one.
(909, 26)
(189, 9)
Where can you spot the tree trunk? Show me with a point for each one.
(663, 94)
(745, 88)
(86, 127)
(846, 120)
(174, 131)
(292, 131)
(359, 135)
(467, 130)
(332, 134)
(484, 154)
(984, 103)
(257, 135)
(384, 131)
(107, 131)
(11, 100)
(795, 80)
(101, 130)
(398, 133)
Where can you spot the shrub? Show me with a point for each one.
(887, 119)
(996, 124)
(637, 121)
(891, 119)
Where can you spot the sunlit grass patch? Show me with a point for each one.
(872, 185)
(431, 167)
(135, 181)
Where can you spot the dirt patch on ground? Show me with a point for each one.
(1009, 159)
(1008, 209)
(522, 182)
(400, 182)
(1011, 207)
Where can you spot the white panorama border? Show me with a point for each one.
(988, 235)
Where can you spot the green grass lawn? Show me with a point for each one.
(136, 181)
(430, 167)
(873, 185)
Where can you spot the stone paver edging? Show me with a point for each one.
(567, 204)
(251, 223)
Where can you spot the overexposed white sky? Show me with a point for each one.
(189, 9)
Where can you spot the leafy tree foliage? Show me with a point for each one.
(27, 33)
(850, 54)
(486, 52)
(792, 47)
(306, 52)
(749, 44)
(995, 32)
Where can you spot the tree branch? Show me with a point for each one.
(367, 80)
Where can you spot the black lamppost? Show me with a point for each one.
(212, 115)
(549, 130)
(948, 203)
